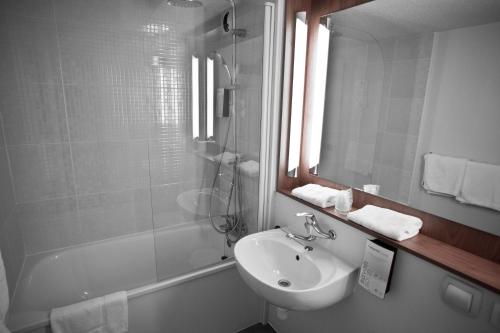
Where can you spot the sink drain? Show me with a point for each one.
(284, 283)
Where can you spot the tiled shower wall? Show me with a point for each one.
(382, 85)
(406, 64)
(11, 241)
(94, 102)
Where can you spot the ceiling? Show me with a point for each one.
(392, 18)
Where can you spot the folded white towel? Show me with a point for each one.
(481, 185)
(108, 314)
(443, 174)
(250, 168)
(227, 158)
(316, 194)
(387, 222)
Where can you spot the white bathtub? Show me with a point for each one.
(74, 274)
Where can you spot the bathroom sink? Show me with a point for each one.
(286, 274)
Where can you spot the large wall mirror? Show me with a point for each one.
(405, 79)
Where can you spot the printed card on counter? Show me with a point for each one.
(376, 269)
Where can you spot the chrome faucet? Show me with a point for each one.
(310, 225)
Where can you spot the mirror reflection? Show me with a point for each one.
(405, 80)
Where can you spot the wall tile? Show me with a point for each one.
(404, 187)
(403, 79)
(7, 201)
(35, 49)
(114, 214)
(166, 211)
(95, 55)
(387, 48)
(2, 141)
(34, 113)
(118, 13)
(49, 224)
(41, 171)
(410, 153)
(413, 47)
(399, 115)
(33, 8)
(421, 74)
(393, 150)
(117, 97)
(389, 179)
(417, 107)
(110, 166)
(12, 247)
(7, 64)
(108, 113)
(172, 163)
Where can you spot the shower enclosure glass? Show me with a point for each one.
(114, 116)
(204, 149)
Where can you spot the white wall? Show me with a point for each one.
(412, 305)
(462, 114)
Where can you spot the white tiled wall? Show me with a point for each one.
(375, 101)
(11, 239)
(96, 108)
(89, 127)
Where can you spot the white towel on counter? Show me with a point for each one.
(443, 174)
(4, 296)
(250, 168)
(316, 194)
(387, 222)
(108, 314)
(227, 158)
(481, 185)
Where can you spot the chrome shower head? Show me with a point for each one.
(185, 3)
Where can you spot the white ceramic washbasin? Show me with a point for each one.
(317, 278)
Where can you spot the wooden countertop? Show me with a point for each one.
(477, 269)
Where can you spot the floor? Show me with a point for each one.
(258, 328)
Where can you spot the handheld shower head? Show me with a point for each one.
(220, 60)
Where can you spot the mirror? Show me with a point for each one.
(405, 79)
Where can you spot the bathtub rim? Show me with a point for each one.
(146, 290)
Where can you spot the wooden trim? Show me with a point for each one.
(475, 241)
(292, 7)
(468, 252)
(454, 259)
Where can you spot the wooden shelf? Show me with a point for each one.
(485, 273)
